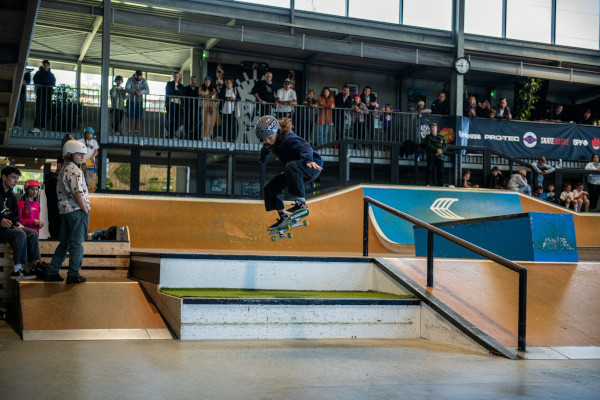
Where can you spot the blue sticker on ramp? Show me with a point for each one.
(436, 205)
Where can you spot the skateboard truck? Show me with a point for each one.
(281, 233)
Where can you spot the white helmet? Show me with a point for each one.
(74, 146)
(266, 126)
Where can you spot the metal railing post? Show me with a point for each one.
(522, 310)
(365, 229)
(429, 259)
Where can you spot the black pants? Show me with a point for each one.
(594, 191)
(229, 126)
(173, 117)
(117, 117)
(436, 164)
(20, 110)
(43, 101)
(295, 175)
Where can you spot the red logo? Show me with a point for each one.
(596, 143)
(448, 134)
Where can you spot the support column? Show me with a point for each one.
(104, 87)
(457, 81)
(197, 64)
(78, 79)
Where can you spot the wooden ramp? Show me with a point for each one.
(95, 310)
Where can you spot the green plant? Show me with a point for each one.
(527, 99)
(69, 110)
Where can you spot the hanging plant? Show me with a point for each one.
(527, 99)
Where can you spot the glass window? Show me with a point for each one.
(577, 23)
(333, 7)
(375, 10)
(154, 170)
(118, 175)
(183, 171)
(435, 14)
(274, 3)
(529, 20)
(483, 17)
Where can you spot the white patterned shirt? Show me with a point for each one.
(70, 181)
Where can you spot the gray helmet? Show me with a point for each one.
(266, 126)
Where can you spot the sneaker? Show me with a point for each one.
(21, 274)
(35, 130)
(53, 278)
(281, 222)
(76, 279)
(298, 210)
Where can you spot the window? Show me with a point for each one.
(577, 23)
(274, 3)
(375, 10)
(483, 17)
(529, 20)
(435, 14)
(118, 170)
(333, 7)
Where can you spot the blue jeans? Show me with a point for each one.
(322, 135)
(73, 232)
(294, 177)
(525, 189)
(540, 177)
(24, 243)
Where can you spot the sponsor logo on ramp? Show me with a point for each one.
(441, 207)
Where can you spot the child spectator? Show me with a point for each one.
(581, 197)
(386, 119)
(496, 179)
(539, 193)
(566, 197)
(466, 180)
(492, 114)
(542, 169)
(550, 195)
(29, 208)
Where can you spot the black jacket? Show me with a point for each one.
(8, 206)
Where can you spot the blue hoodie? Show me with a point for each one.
(292, 148)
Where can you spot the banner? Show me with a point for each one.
(517, 138)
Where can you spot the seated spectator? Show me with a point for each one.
(466, 180)
(542, 169)
(496, 179)
(566, 197)
(29, 208)
(502, 110)
(581, 197)
(483, 109)
(518, 182)
(550, 195)
(559, 116)
(586, 119)
(593, 181)
(440, 106)
(539, 193)
(470, 108)
(24, 241)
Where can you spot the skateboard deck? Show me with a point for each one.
(294, 221)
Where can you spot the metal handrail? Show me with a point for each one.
(432, 230)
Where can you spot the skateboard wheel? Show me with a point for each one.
(290, 235)
(305, 223)
(289, 227)
(273, 238)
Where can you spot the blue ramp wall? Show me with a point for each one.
(447, 204)
(522, 237)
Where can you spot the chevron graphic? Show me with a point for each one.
(441, 207)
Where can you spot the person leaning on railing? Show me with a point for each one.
(593, 181)
(174, 91)
(324, 117)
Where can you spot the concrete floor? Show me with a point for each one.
(278, 369)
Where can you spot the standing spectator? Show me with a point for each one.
(440, 106)
(209, 108)
(518, 182)
(136, 87)
(502, 110)
(359, 111)
(29, 208)
(387, 121)
(470, 108)
(341, 116)
(74, 207)
(50, 181)
(22, 98)
(264, 94)
(483, 109)
(369, 100)
(285, 99)
(581, 197)
(192, 114)
(566, 197)
(496, 179)
(587, 118)
(307, 119)
(174, 91)
(117, 103)
(228, 96)
(324, 118)
(421, 108)
(594, 181)
(542, 169)
(434, 147)
(89, 159)
(44, 81)
(23, 241)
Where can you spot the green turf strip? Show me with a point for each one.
(279, 294)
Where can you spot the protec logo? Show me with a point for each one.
(529, 139)
(596, 144)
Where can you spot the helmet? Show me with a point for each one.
(89, 129)
(74, 146)
(266, 126)
(32, 183)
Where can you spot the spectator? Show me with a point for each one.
(581, 197)
(117, 103)
(341, 116)
(174, 90)
(542, 169)
(559, 116)
(421, 108)
(285, 99)
(192, 116)
(369, 100)
(50, 181)
(434, 148)
(209, 108)
(22, 98)
(492, 114)
(359, 111)
(229, 95)
(587, 118)
(89, 158)
(594, 181)
(264, 94)
(566, 197)
(387, 121)
(440, 106)
(136, 87)
(550, 195)
(29, 208)
(324, 118)
(483, 109)
(466, 180)
(74, 207)
(307, 120)
(539, 193)
(496, 179)
(518, 182)
(470, 108)
(44, 81)
(502, 110)
(24, 241)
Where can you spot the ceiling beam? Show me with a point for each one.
(210, 43)
(88, 40)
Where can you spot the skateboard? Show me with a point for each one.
(294, 221)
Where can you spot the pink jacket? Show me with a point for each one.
(28, 215)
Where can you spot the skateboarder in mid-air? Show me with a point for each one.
(302, 164)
